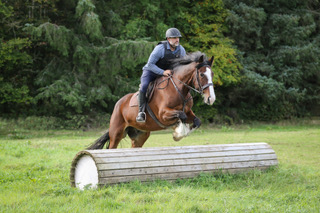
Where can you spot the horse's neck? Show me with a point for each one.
(185, 76)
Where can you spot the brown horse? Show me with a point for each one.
(170, 103)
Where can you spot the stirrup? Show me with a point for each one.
(141, 118)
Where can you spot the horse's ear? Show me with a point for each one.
(201, 59)
(211, 60)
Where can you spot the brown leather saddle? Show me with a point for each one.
(150, 91)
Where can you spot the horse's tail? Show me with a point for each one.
(100, 142)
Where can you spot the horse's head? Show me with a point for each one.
(203, 80)
(195, 69)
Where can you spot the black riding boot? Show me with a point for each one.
(141, 118)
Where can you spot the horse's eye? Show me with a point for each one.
(202, 75)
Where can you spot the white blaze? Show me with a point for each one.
(211, 89)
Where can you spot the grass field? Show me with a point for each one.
(34, 174)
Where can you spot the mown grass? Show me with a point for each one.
(34, 174)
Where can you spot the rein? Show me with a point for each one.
(200, 90)
(185, 101)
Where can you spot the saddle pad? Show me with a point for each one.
(134, 100)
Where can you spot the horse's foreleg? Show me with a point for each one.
(170, 115)
(182, 116)
(191, 118)
(196, 123)
(183, 129)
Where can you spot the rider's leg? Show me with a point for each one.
(146, 78)
(142, 105)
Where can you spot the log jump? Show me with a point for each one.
(95, 168)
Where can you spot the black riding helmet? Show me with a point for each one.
(172, 33)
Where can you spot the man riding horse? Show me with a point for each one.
(171, 105)
(159, 65)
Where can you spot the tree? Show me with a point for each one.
(14, 63)
(84, 70)
(279, 41)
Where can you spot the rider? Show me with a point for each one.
(158, 65)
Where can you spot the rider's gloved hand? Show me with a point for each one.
(167, 72)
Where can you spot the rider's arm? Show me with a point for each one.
(182, 51)
(155, 56)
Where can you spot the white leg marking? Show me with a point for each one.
(182, 130)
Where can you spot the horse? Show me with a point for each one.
(169, 107)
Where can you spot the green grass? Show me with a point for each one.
(35, 165)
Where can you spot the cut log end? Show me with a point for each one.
(86, 173)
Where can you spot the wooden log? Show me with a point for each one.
(93, 168)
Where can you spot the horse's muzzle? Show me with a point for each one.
(210, 100)
(209, 97)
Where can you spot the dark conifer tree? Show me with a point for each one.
(280, 45)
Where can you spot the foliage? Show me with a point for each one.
(14, 64)
(279, 41)
(90, 23)
(76, 58)
(77, 75)
(204, 32)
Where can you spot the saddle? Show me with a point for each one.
(150, 91)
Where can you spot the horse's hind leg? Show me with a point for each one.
(116, 135)
(138, 138)
(117, 128)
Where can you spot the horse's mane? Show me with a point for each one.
(188, 59)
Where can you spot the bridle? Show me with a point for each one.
(199, 90)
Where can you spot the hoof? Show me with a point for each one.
(196, 123)
(182, 116)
